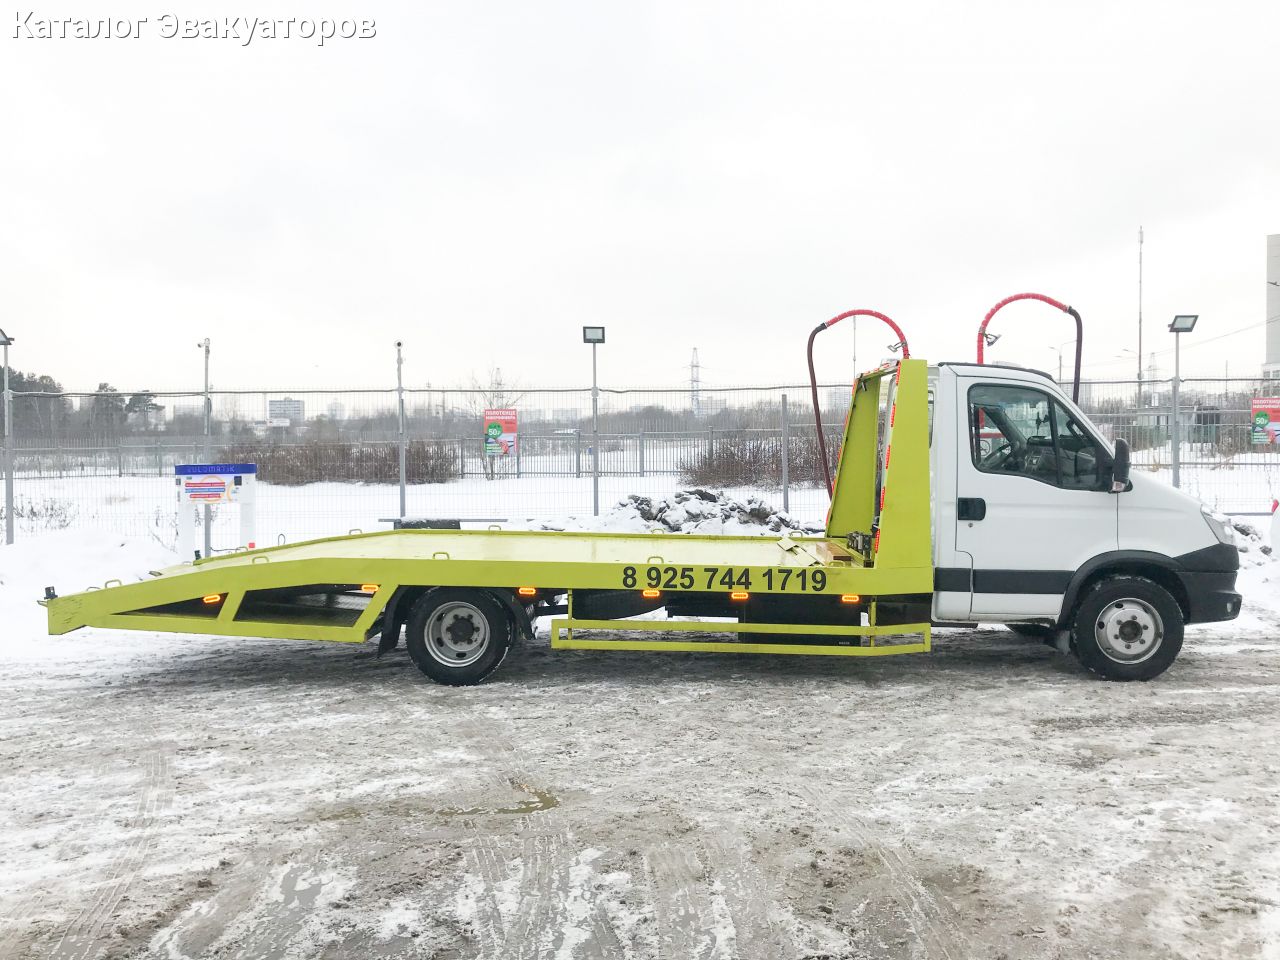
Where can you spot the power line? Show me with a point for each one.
(1169, 350)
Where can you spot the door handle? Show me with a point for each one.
(971, 508)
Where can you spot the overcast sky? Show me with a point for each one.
(482, 179)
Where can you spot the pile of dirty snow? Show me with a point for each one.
(694, 510)
(70, 561)
(1255, 550)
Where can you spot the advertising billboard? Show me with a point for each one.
(499, 432)
(1266, 420)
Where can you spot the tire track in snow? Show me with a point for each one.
(83, 936)
(761, 931)
(694, 920)
(543, 895)
(538, 841)
(934, 925)
(487, 862)
(29, 902)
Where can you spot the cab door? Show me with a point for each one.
(1032, 498)
(952, 568)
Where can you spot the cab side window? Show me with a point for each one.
(1024, 432)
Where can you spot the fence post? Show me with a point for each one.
(8, 450)
(711, 444)
(400, 404)
(1175, 428)
(462, 459)
(577, 454)
(641, 464)
(519, 444)
(786, 460)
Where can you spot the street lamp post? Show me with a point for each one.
(595, 337)
(207, 513)
(1058, 352)
(5, 340)
(1182, 323)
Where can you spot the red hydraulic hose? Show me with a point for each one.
(982, 330)
(813, 377)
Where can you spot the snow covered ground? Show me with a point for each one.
(145, 506)
(209, 797)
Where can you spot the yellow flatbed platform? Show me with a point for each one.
(877, 545)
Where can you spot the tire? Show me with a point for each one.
(1127, 628)
(456, 636)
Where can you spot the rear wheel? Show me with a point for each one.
(1127, 628)
(458, 637)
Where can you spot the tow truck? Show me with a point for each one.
(963, 493)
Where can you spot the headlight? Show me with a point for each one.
(1220, 526)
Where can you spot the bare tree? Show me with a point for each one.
(497, 393)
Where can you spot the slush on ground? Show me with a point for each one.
(210, 797)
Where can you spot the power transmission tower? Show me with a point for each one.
(695, 384)
(1140, 317)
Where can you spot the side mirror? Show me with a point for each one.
(1120, 467)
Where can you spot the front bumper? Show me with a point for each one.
(1211, 597)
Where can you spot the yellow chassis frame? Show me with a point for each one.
(562, 637)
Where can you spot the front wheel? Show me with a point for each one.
(1127, 628)
(457, 637)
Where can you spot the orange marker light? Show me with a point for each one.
(368, 588)
(739, 595)
(213, 598)
(527, 591)
(850, 598)
(650, 594)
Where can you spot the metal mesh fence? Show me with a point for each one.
(329, 461)
(1218, 461)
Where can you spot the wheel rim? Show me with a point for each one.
(1128, 631)
(457, 634)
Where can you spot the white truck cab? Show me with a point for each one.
(1038, 525)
